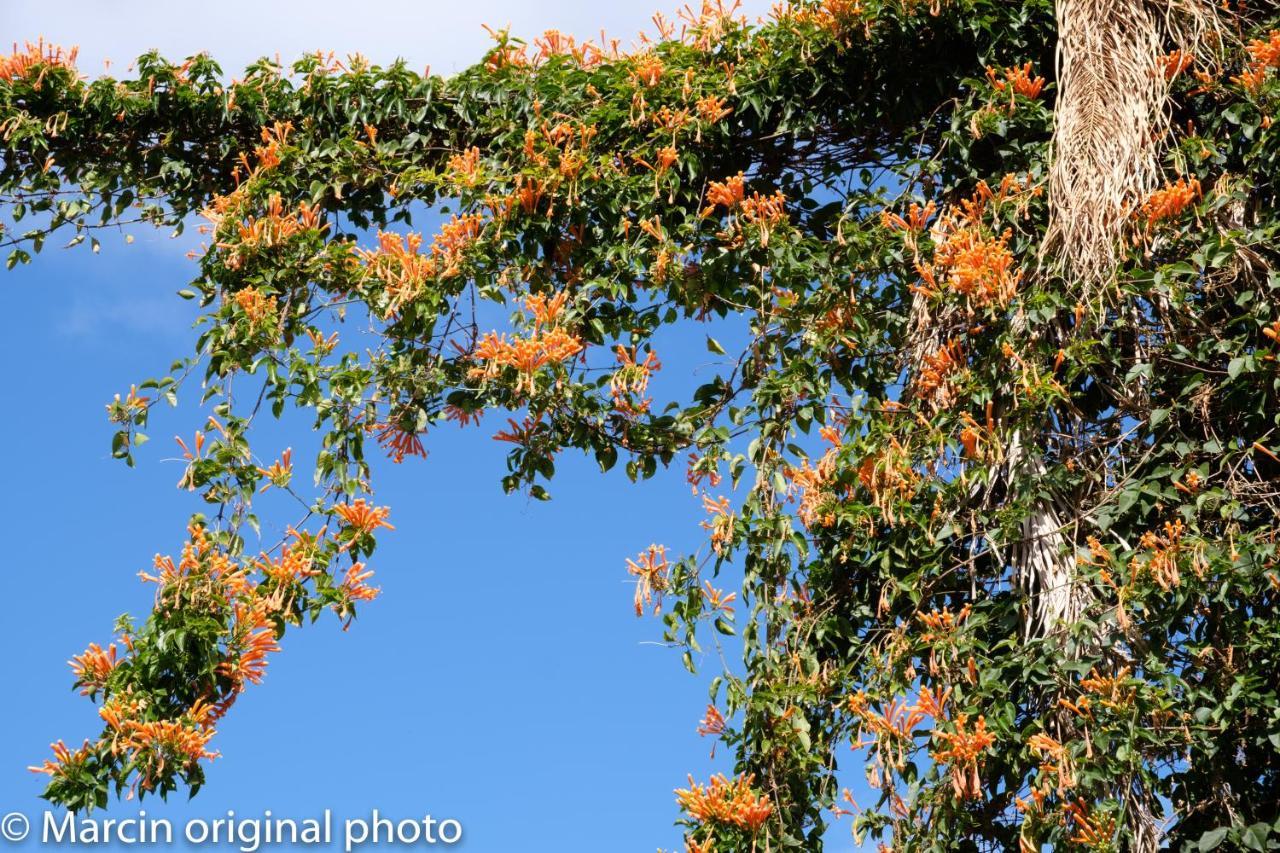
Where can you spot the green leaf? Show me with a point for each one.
(1211, 839)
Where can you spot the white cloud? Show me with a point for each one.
(448, 36)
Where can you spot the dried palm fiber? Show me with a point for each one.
(1043, 560)
(1110, 121)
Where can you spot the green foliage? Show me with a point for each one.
(899, 368)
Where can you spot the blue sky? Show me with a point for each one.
(501, 679)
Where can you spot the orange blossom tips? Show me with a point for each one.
(362, 517)
(354, 587)
(93, 667)
(722, 801)
(651, 570)
(63, 759)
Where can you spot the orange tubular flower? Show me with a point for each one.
(717, 599)
(720, 524)
(400, 442)
(1111, 691)
(939, 373)
(1170, 201)
(691, 846)
(546, 310)
(711, 109)
(363, 517)
(526, 355)
(963, 750)
(1177, 61)
(63, 759)
(712, 722)
(171, 738)
(254, 637)
(721, 801)
(19, 64)
(1017, 80)
(1264, 55)
(280, 472)
(93, 667)
(727, 194)
(631, 379)
(651, 570)
(648, 71)
(1090, 831)
(464, 168)
(354, 587)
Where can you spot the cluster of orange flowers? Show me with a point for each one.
(274, 228)
(764, 211)
(400, 442)
(631, 381)
(963, 750)
(93, 668)
(716, 599)
(19, 64)
(1017, 80)
(896, 723)
(1094, 832)
(1111, 691)
(727, 194)
(1264, 54)
(255, 305)
(712, 722)
(354, 588)
(941, 624)
(968, 260)
(253, 638)
(711, 109)
(547, 344)
(1055, 763)
(63, 759)
(939, 373)
(526, 355)
(888, 477)
(206, 580)
(837, 17)
(727, 802)
(550, 44)
(571, 143)
(702, 468)
(1162, 555)
(399, 264)
(1169, 201)
(401, 267)
(464, 168)
(295, 563)
(170, 738)
(1177, 61)
(202, 575)
(808, 482)
(274, 139)
(647, 71)
(363, 517)
(914, 224)
(546, 310)
(280, 472)
(973, 435)
(719, 523)
(651, 570)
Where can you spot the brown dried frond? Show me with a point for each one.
(1110, 121)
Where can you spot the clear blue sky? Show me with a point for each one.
(501, 679)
